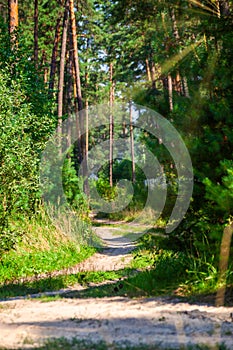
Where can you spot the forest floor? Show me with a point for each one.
(163, 321)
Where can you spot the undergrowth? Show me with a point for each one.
(43, 248)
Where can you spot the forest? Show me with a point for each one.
(63, 62)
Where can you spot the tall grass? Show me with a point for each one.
(45, 247)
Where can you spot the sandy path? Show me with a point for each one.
(163, 321)
(159, 321)
(114, 256)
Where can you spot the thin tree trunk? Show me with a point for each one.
(78, 129)
(153, 74)
(174, 25)
(224, 261)
(87, 127)
(87, 104)
(185, 87)
(13, 19)
(178, 87)
(54, 55)
(148, 70)
(170, 94)
(132, 142)
(178, 77)
(76, 60)
(69, 90)
(43, 63)
(62, 66)
(36, 25)
(111, 99)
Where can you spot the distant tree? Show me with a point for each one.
(36, 34)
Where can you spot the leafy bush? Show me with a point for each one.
(25, 123)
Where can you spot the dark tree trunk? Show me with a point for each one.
(53, 65)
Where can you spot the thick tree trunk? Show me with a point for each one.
(13, 20)
(36, 25)
(53, 65)
(62, 66)
(13, 15)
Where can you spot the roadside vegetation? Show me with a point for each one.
(75, 344)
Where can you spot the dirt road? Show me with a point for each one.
(162, 321)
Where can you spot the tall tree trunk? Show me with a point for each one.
(62, 66)
(87, 127)
(132, 141)
(79, 96)
(179, 80)
(69, 89)
(111, 99)
(54, 55)
(87, 103)
(78, 129)
(76, 60)
(36, 24)
(13, 19)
